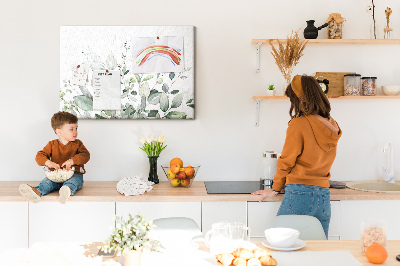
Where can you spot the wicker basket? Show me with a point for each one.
(60, 175)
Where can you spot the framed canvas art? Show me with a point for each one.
(127, 72)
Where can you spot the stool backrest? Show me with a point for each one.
(310, 227)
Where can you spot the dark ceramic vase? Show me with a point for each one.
(153, 177)
(311, 32)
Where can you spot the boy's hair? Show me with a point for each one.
(62, 118)
(315, 100)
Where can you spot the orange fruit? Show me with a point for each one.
(189, 170)
(376, 254)
(176, 161)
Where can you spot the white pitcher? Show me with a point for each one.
(218, 239)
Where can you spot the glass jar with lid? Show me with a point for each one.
(352, 85)
(368, 86)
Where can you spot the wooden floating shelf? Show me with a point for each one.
(331, 97)
(332, 41)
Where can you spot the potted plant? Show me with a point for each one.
(129, 238)
(271, 90)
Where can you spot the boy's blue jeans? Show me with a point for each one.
(74, 183)
(308, 200)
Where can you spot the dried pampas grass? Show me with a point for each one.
(287, 57)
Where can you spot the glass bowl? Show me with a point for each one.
(59, 176)
(183, 177)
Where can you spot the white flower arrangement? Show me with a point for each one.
(131, 234)
(153, 146)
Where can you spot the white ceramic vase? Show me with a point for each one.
(131, 258)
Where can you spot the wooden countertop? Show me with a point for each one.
(105, 191)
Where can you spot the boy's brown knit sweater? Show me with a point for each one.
(308, 154)
(57, 152)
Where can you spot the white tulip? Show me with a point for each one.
(151, 138)
(162, 138)
(142, 140)
(157, 139)
(148, 140)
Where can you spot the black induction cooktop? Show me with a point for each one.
(233, 187)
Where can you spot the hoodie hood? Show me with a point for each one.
(325, 138)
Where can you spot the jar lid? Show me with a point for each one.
(270, 154)
(352, 75)
(369, 78)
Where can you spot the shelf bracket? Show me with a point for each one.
(258, 57)
(257, 112)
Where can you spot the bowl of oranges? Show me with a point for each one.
(179, 174)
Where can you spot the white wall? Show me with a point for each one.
(222, 138)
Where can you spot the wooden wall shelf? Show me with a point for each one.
(259, 98)
(332, 41)
(259, 42)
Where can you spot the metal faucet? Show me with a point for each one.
(388, 174)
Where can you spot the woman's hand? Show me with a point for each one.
(265, 193)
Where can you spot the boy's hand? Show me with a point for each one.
(68, 164)
(52, 165)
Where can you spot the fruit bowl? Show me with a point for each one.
(181, 177)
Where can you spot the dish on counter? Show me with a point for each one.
(297, 245)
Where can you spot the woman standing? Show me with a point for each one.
(308, 153)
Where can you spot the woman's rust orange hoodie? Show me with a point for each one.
(307, 155)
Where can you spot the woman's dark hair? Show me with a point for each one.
(315, 100)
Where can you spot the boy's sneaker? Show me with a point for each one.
(30, 193)
(65, 192)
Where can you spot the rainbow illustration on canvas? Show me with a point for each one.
(154, 50)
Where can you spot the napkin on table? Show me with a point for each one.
(315, 258)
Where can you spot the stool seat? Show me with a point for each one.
(309, 226)
(178, 224)
(173, 231)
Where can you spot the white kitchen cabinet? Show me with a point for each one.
(155, 210)
(13, 225)
(261, 215)
(354, 211)
(334, 225)
(218, 211)
(72, 222)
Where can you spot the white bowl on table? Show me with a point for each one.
(282, 237)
